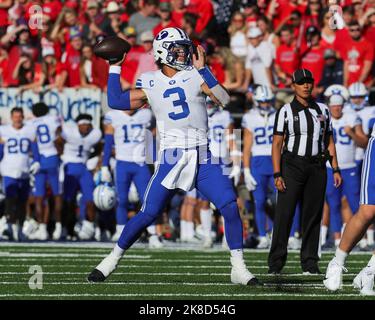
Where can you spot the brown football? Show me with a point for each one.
(112, 49)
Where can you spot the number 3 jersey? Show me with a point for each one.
(262, 129)
(179, 106)
(46, 127)
(130, 133)
(345, 146)
(77, 148)
(17, 148)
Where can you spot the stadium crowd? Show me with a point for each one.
(250, 44)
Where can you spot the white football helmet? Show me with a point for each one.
(264, 94)
(337, 89)
(165, 43)
(104, 197)
(358, 90)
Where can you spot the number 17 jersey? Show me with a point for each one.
(179, 107)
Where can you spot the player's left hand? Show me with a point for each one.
(235, 174)
(199, 62)
(34, 168)
(337, 179)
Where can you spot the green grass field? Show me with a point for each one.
(171, 273)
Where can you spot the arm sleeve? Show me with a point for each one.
(35, 151)
(280, 120)
(108, 143)
(117, 99)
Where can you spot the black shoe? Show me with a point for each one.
(253, 282)
(96, 276)
(274, 271)
(311, 270)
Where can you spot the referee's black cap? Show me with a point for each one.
(301, 75)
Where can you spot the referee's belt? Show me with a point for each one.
(320, 158)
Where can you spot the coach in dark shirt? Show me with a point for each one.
(302, 144)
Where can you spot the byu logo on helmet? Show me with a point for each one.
(162, 35)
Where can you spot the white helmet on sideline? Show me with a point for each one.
(337, 89)
(358, 90)
(264, 94)
(164, 44)
(104, 197)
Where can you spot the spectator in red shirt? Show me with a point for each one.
(52, 8)
(178, 11)
(286, 61)
(312, 58)
(70, 75)
(369, 25)
(204, 10)
(4, 6)
(130, 66)
(279, 11)
(328, 34)
(67, 20)
(51, 69)
(358, 57)
(312, 15)
(93, 70)
(27, 73)
(342, 35)
(45, 37)
(165, 10)
(3, 67)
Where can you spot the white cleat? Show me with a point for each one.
(263, 243)
(40, 234)
(87, 231)
(208, 243)
(363, 243)
(57, 232)
(333, 280)
(104, 268)
(364, 282)
(29, 227)
(154, 242)
(98, 234)
(294, 243)
(240, 275)
(117, 234)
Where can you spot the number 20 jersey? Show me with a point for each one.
(130, 133)
(179, 107)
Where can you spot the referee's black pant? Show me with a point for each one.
(305, 180)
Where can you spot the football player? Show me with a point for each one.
(78, 140)
(176, 94)
(47, 127)
(17, 140)
(355, 229)
(347, 133)
(126, 130)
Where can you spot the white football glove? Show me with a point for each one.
(105, 174)
(34, 168)
(249, 180)
(235, 174)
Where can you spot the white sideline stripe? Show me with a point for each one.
(203, 284)
(178, 274)
(174, 294)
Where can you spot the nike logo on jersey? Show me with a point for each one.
(184, 80)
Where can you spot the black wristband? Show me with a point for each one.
(277, 175)
(336, 170)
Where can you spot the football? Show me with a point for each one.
(112, 49)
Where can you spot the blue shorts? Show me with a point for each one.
(368, 175)
(48, 173)
(77, 176)
(16, 188)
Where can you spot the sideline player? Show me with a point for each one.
(176, 94)
(355, 229)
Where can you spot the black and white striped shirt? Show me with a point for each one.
(306, 129)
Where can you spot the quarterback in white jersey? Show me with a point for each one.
(17, 141)
(176, 95)
(126, 130)
(78, 142)
(47, 127)
(347, 134)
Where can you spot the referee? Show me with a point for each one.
(302, 144)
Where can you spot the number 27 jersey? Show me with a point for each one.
(179, 107)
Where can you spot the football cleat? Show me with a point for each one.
(87, 231)
(208, 243)
(40, 234)
(294, 243)
(104, 268)
(154, 242)
(29, 227)
(364, 281)
(57, 232)
(333, 280)
(240, 275)
(263, 243)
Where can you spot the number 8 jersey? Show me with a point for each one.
(179, 106)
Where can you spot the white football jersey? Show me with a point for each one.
(77, 148)
(46, 127)
(179, 106)
(262, 129)
(367, 118)
(218, 124)
(130, 133)
(17, 150)
(345, 146)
